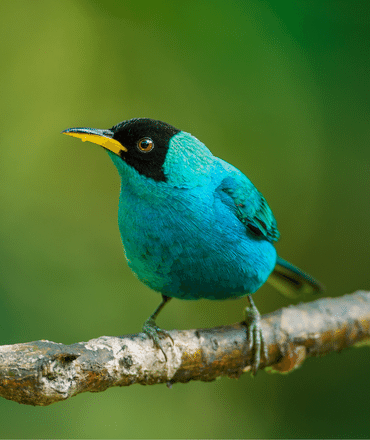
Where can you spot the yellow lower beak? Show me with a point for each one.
(96, 136)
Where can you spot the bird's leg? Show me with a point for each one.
(254, 334)
(151, 328)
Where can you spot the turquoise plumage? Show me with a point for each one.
(192, 225)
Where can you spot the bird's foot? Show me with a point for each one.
(256, 341)
(152, 330)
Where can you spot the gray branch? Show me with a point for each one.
(44, 372)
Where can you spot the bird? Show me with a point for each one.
(192, 225)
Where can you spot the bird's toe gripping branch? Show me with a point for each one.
(152, 330)
(256, 342)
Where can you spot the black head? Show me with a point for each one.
(146, 141)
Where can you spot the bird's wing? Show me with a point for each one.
(250, 206)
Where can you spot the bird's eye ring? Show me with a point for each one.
(145, 145)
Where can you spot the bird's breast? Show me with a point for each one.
(190, 245)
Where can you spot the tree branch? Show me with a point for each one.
(44, 372)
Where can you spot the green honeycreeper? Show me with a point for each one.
(192, 225)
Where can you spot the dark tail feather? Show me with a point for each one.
(293, 282)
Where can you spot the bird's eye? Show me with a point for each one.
(145, 145)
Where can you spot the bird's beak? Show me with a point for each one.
(100, 137)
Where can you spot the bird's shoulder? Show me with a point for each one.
(249, 205)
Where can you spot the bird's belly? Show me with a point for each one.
(196, 258)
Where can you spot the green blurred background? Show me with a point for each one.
(279, 89)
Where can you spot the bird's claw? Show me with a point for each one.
(152, 330)
(256, 342)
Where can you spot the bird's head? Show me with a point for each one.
(152, 149)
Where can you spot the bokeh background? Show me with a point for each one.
(279, 89)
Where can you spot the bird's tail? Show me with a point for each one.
(291, 281)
